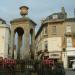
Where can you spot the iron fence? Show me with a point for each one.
(31, 67)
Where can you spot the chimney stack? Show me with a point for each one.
(64, 13)
(62, 9)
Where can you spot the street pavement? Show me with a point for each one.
(70, 72)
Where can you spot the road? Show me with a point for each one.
(70, 72)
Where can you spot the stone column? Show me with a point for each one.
(9, 45)
(27, 45)
(33, 44)
(12, 44)
(65, 60)
(19, 46)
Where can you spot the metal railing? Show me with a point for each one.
(31, 67)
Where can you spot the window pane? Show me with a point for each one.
(69, 42)
(55, 16)
(53, 29)
(46, 44)
(68, 29)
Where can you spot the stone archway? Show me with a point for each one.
(20, 33)
(31, 43)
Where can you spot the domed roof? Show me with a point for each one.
(3, 21)
(58, 15)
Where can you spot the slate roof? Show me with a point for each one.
(3, 21)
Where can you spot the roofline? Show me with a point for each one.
(3, 21)
(54, 21)
(51, 21)
(5, 25)
(16, 20)
(70, 20)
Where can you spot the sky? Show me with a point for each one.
(38, 9)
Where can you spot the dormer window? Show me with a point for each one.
(55, 16)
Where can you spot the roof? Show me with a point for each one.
(3, 21)
(4, 26)
(60, 16)
(22, 19)
(70, 20)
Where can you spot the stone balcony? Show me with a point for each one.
(69, 34)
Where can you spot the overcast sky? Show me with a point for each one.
(38, 9)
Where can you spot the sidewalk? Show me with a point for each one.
(69, 69)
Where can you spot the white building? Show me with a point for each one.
(4, 39)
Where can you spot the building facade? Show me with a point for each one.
(57, 35)
(4, 39)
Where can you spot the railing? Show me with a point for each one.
(31, 67)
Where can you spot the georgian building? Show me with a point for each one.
(57, 35)
(4, 39)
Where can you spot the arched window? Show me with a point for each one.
(18, 42)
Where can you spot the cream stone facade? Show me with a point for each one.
(57, 35)
(4, 39)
